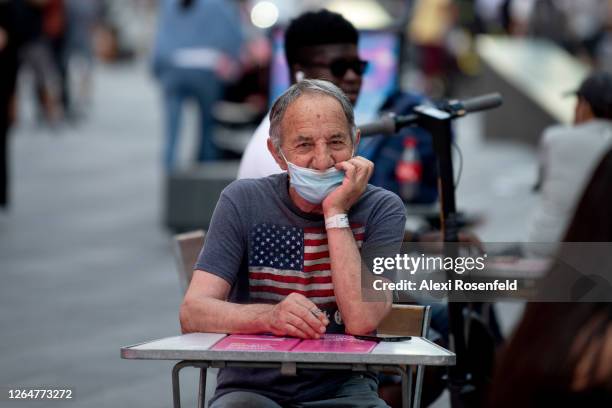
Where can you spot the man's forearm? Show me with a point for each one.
(218, 316)
(359, 317)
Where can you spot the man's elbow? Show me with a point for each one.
(364, 324)
(186, 317)
(360, 326)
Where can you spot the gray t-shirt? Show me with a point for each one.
(265, 248)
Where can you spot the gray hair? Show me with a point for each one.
(304, 87)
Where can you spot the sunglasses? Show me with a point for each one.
(339, 67)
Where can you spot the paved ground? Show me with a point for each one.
(86, 266)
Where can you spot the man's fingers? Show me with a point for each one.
(306, 303)
(309, 318)
(319, 314)
(361, 162)
(304, 327)
(369, 167)
(363, 166)
(358, 169)
(293, 331)
(316, 312)
(307, 310)
(349, 169)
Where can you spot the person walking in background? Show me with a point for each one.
(8, 75)
(569, 155)
(197, 47)
(82, 17)
(54, 33)
(36, 22)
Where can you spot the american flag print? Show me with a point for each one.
(285, 259)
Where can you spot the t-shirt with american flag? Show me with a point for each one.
(265, 247)
(285, 259)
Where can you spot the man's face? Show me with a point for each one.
(331, 62)
(315, 133)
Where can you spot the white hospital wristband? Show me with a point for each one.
(337, 221)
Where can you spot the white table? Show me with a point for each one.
(193, 350)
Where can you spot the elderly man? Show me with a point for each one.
(284, 253)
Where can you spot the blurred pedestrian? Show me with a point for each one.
(197, 47)
(82, 18)
(8, 72)
(561, 353)
(35, 54)
(429, 31)
(568, 156)
(54, 33)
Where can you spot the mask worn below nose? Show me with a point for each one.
(313, 185)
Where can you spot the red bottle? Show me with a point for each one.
(409, 170)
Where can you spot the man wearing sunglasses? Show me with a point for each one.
(318, 45)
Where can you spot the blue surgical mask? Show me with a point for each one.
(313, 185)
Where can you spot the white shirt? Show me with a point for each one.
(257, 161)
(569, 156)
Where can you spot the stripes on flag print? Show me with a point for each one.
(286, 259)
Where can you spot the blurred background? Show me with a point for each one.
(97, 181)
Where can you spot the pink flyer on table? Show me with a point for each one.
(255, 342)
(335, 343)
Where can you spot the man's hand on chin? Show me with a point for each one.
(357, 173)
